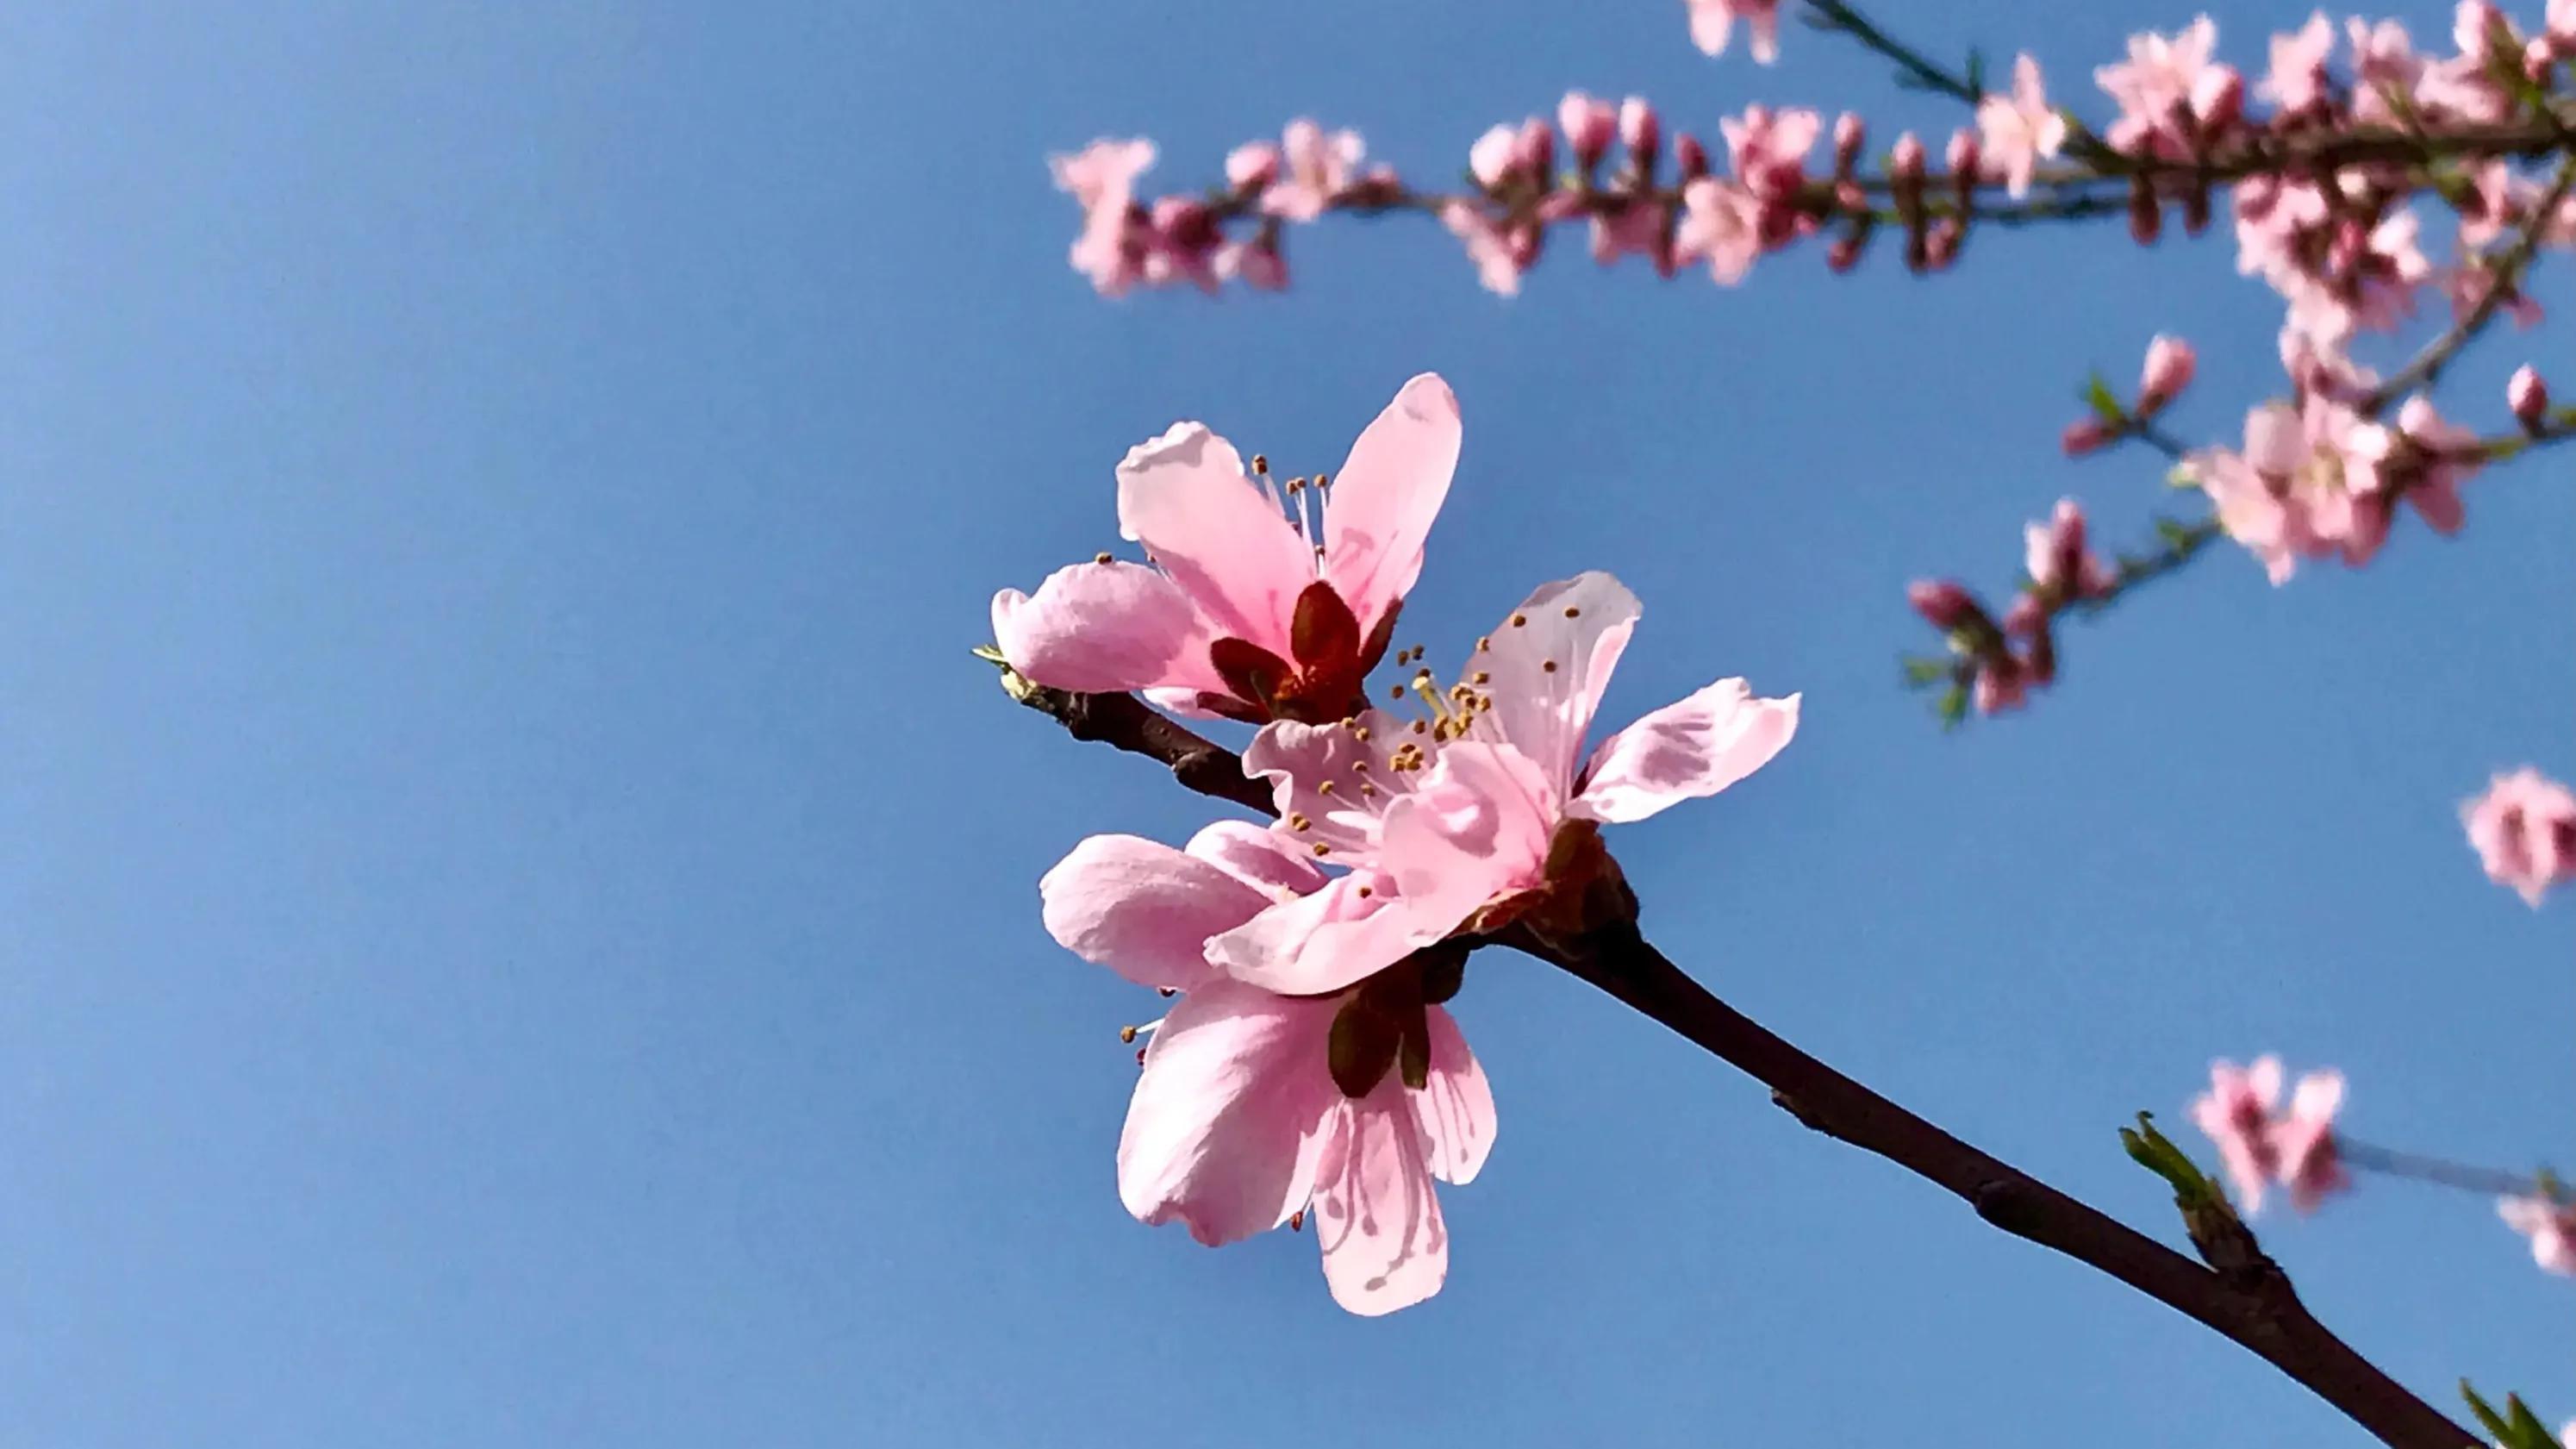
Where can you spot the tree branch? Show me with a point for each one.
(2503, 278)
(1125, 722)
(2241, 1294)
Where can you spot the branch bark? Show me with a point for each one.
(2241, 1293)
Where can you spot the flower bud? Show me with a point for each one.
(2169, 368)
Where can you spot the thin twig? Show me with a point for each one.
(2503, 278)
(2492, 1180)
(1125, 722)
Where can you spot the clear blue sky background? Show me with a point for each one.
(517, 911)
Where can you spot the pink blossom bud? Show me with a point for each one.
(2169, 368)
(2084, 435)
(1849, 133)
(1843, 253)
(1945, 604)
(2027, 616)
(1589, 124)
(1690, 156)
(1962, 155)
(1490, 159)
(1535, 149)
(1906, 161)
(1640, 130)
(2528, 396)
(2538, 54)
(2146, 214)
(1941, 243)
(1253, 165)
(2001, 684)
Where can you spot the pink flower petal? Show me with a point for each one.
(1456, 1105)
(1259, 857)
(1376, 1216)
(1226, 1129)
(1550, 662)
(1354, 760)
(1690, 748)
(1387, 494)
(1216, 533)
(1348, 931)
(1143, 909)
(1476, 827)
(1104, 628)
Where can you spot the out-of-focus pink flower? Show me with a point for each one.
(1712, 24)
(2259, 1146)
(2551, 1226)
(2305, 485)
(2524, 830)
(2020, 128)
(2437, 457)
(1641, 131)
(2084, 435)
(1252, 165)
(2054, 555)
(1634, 226)
(1459, 822)
(1768, 149)
(1240, 1120)
(1110, 250)
(1317, 168)
(1497, 265)
(1721, 225)
(1257, 262)
(2168, 370)
(2003, 683)
(2560, 26)
(1945, 604)
(1589, 124)
(1182, 238)
(2385, 69)
(2527, 396)
(1248, 614)
(2170, 82)
(2468, 287)
(2297, 82)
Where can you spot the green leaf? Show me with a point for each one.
(1954, 706)
(2486, 1413)
(1920, 671)
(2104, 402)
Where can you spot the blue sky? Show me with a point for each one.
(517, 915)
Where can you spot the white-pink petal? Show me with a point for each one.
(1350, 930)
(1145, 910)
(1216, 532)
(1689, 749)
(1455, 1104)
(1376, 1215)
(1104, 628)
(1226, 1131)
(1258, 856)
(1384, 500)
(1550, 661)
(1476, 827)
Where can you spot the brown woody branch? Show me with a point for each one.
(2241, 1293)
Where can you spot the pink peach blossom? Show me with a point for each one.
(1589, 124)
(2306, 485)
(2526, 396)
(2297, 81)
(1102, 179)
(1722, 226)
(1246, 613)
(2437, 457)
(2551, 1226)
(1712, 24)
(2020, 128)
(2166, 82)
(1497, 264)
(1317, 167)
(1238, 1122)
(1768, 149)
(2167, 370)
(2260, 1146)
(2524, 830)
(1448, 823)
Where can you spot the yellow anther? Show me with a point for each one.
(1324, 788)
(1101, 557)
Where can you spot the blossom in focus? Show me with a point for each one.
(1484, 810)
(1254, 1108)
(2524, 830)
(2551, 1226)
(2261, 1146)
(1712, 24)
(1258, 604)
(2018, 129)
